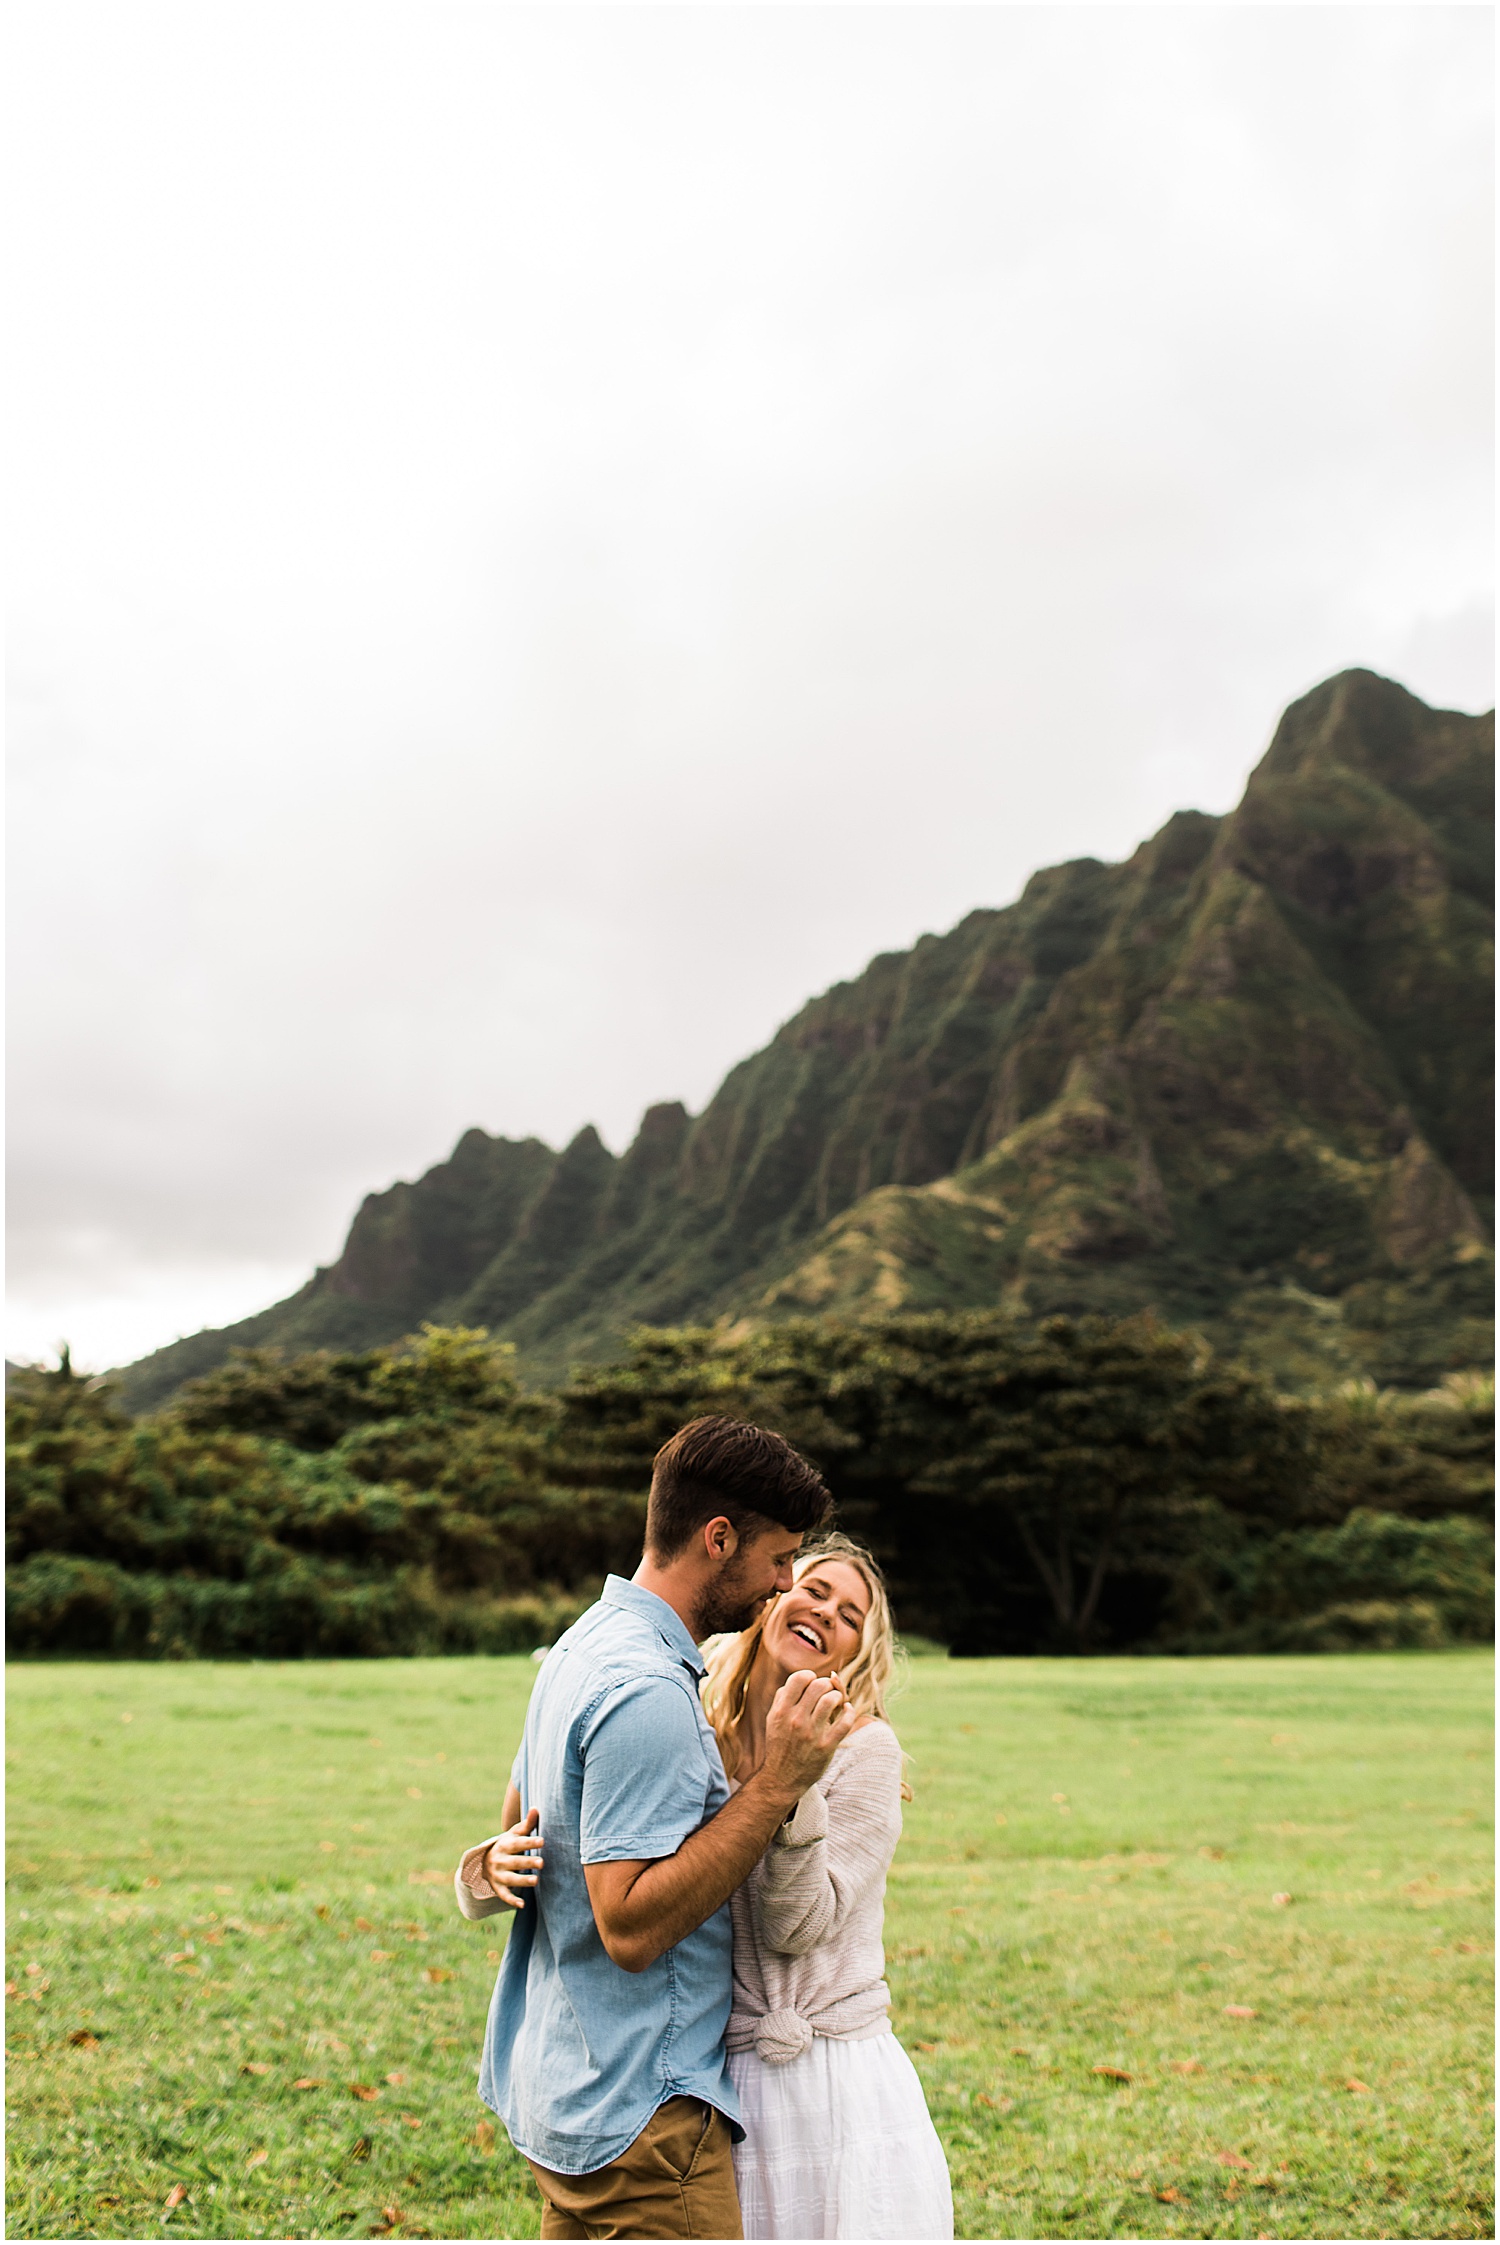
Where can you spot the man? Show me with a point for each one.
(604, 2052)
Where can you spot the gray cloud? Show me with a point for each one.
(547, 536)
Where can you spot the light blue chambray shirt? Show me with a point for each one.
(620, 1761)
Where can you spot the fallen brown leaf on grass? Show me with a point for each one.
(1281, 1900)
(996, 2104)
(928, 2046)
(396, 2081)
(363, 1925)
(492, 1956)
(411, 2120)
(381, 1956)
(1232, 2159)
(308, 2081)
(363, 2090)
(255, 2066)
(1360, 2088)
(484, 2137)
(13, 1987)
(437, 1974)
(1186, 2066)
(176, 2195)
(1170, 2197)
(257, 2159)
(1112, 2073)
(1239, 2011)
(81, 2039)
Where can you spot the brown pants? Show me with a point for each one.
(676, 2180)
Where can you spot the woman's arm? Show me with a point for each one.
(499, 1873)
(825, 1860)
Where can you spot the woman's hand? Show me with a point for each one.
(513, 1863)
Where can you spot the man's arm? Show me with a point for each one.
(644, 1909)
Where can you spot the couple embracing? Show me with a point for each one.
(690, 2035)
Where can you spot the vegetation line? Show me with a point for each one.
(1054, 1485)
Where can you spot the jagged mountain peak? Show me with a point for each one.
(1244, 1076)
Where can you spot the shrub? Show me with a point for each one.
(56, 1604)
(1376, 1579)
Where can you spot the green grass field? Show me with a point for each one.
(240, 1976)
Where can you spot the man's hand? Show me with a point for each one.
(809, 1720)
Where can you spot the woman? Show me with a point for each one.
(838, 2140)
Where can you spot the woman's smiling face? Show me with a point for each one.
(819, 1622)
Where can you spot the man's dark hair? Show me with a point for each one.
(720, 1468)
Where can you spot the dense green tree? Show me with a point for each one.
(997, 1461)
(1031, 1485)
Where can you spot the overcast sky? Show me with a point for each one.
(545, 536)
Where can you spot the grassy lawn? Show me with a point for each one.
(240, 1973)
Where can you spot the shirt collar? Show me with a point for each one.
(667, 1623)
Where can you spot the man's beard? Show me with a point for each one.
(725, 1605)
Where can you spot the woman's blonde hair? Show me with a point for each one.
(866, 1678)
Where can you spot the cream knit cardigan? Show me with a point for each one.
(808, 1954)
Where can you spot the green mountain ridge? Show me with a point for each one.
(1244, 1078)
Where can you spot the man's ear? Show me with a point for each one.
(721, 1539)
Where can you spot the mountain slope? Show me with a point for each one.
(1245, 1077)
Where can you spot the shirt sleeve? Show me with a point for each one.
(835, 1850)
(475, 1896)
(645, 1779)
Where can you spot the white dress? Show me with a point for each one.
(838, 2139)
(839, 2143)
